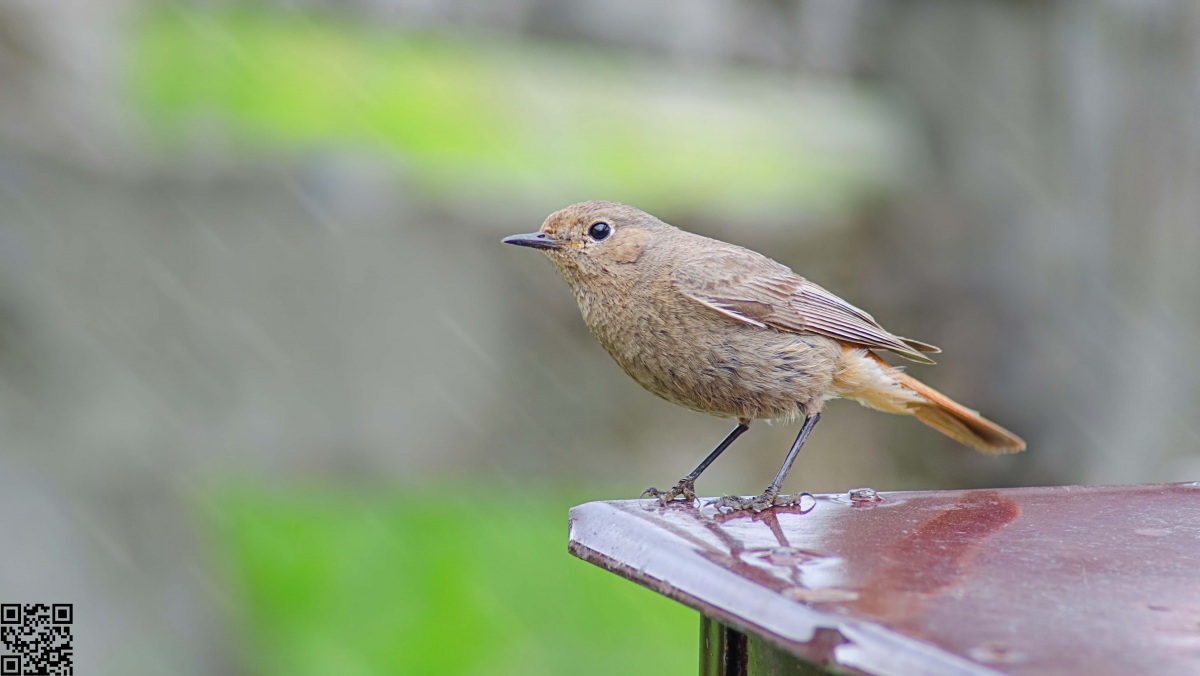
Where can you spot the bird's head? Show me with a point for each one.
(593, 240)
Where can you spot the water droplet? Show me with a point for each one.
(861, 495)
(829, 595)
(1153, 532)
(786, 556)
(1179, 640)
(995, 652)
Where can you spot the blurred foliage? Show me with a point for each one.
(338, 581)
(253, 247)
(513, 117)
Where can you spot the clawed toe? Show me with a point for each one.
(790, 500)
(683, 489)
(730, 503)
(734, 503)
(663, 496)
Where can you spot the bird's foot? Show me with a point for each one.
(685, 489)
(730, 503)
(769, 499)
(792, 499)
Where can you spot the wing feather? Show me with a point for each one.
(754, 289)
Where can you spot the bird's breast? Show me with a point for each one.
(699, 359)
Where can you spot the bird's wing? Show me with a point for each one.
(756, 290)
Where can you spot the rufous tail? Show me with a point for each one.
(959, 422)
(942, 413)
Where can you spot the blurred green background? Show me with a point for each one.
(329, 581)
(275, 400)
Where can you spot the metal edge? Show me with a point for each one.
(875, 649)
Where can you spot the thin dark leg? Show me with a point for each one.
(687, 485)
(771, 497)
(729, 439)
(809, 423)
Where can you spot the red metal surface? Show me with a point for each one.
(1096, 580)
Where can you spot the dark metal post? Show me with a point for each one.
(722, 649)
(725, 651)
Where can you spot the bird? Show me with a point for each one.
(724, 330)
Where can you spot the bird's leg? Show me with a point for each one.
(771, 496)
(687, 485)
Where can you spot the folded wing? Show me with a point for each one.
(754, 289)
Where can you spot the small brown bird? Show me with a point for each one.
(729, 332)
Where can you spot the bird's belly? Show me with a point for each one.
(725, 368)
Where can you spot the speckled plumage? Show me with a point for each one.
(723, 330)
(691, 355)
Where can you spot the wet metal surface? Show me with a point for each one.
(1098, 580)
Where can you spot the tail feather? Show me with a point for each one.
(959, 422)
(941, 413)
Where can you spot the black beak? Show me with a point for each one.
(535, 240)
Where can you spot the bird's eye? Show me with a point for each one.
(599, 230)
